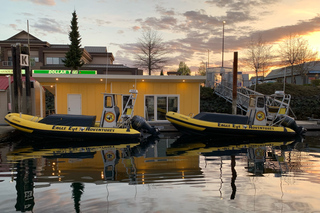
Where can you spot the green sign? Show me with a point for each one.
(67, 72)
(10, 71)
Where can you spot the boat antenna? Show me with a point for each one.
(106, 85)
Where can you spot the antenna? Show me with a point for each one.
(106, 85)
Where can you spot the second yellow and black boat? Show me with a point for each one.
(266, 116)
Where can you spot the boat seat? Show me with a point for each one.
(69, 120)
(222, 118)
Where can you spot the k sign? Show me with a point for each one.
(24, 60)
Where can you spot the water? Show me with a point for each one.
(166, 174)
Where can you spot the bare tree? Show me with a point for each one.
(152, 51)
(306, 60)
(295, 51)
(259, 56)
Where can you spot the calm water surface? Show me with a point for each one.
(165, 174)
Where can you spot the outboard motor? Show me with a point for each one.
(290, 123)
(139, 123)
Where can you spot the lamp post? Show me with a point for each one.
(222, 69)
(223, 23)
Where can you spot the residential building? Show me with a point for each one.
(312, 72)
(46, 56)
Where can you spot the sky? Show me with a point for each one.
(192, 29)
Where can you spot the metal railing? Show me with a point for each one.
(243, 95)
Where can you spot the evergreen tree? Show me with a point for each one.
(73, 56)
(202, 69)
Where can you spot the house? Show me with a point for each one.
(312, 70)
(46, 56)
(157, 94)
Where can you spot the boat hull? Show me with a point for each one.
(193, 126)
(30, 125)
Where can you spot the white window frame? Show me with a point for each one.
(155, 103)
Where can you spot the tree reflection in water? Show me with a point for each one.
(77, 191)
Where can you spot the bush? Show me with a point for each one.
(305, 100)
(315, 82)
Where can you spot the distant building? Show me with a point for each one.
(285, 72)
(216, 75)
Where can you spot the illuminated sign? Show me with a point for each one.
(66, 72)
(10, 71)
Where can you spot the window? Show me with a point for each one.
(125, 99)
(55, 60)
(157, 106)
(108, 102)
(149, 108)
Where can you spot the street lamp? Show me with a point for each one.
(223, 23)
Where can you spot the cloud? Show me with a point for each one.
(13, 26)
(136, 28)
(165, 12)
(101, 22)
(202, 31)
(47, 25)
(241, 4)
(41, 2)
(162, 23)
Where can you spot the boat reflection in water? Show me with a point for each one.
(152, 160)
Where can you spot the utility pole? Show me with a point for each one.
(208, 59)
(25, 50)
(17, 81)
(235, 81)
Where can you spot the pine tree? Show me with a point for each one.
(73, 56)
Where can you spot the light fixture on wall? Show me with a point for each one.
(57, 79)
(101, 79)
(183, 80)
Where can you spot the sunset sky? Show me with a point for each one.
(190, 27)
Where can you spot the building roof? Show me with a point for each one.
(100, 78)
(4, 82)
(96, 49)
(279, 73)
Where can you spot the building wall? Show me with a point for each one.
(3, 106)
(92, 97)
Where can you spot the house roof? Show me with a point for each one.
(4, 82)
(96, 49)
(100, 78)
(279, 73)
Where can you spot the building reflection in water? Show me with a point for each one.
(153, 160)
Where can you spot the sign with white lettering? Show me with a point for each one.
(66, 72)
(24, 60)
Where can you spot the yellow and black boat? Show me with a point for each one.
(112, 125)
(67, 126)
(266, 116)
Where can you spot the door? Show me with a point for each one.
(74, 104)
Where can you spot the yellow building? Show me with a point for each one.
(83, 93)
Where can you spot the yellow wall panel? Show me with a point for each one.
(92, 97)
